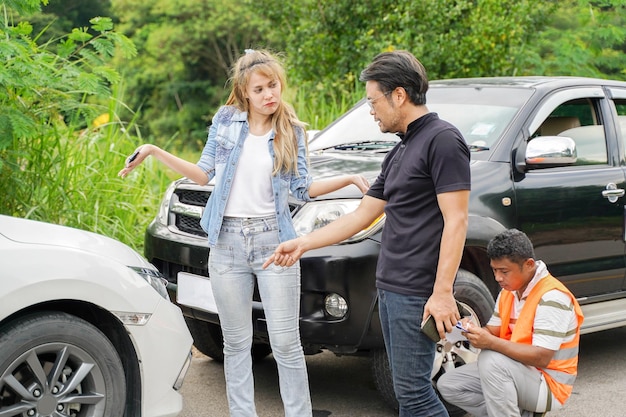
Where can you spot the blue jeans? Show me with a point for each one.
(411, 354)
(234, 262)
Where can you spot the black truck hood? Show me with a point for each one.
(332, 163)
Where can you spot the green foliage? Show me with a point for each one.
(23, 6)
(41, 91)
(57, 165)
(480, 38)
(584, 38)
(59, 17)
(331, 42)
(324, 42)
(319, 107)
(187, 48)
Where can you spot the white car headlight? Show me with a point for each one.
(154, 278)
(317, 214)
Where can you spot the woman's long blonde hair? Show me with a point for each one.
(283, 120)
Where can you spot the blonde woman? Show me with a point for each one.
(257, 152)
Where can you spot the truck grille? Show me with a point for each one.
(192, 197)
(189, 224)
(186, 207)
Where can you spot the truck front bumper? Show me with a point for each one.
(346, 270)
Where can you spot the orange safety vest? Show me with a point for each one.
(562, 369)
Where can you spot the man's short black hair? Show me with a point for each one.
(512, 244)
(398, 69)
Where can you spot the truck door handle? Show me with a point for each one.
(612, 193)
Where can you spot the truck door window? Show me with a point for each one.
(620, 106)
(577, 119)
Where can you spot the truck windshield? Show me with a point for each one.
(481, 114)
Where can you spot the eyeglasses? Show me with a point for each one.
(370, 101)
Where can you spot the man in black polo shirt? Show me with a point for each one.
(423, 189)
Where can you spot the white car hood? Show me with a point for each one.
(39, 233)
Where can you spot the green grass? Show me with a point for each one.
(70, 177)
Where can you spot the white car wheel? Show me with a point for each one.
(53, 363)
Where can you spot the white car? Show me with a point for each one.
(86, 327)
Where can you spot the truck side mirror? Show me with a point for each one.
(550, 151)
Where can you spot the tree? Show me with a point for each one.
(584, 38)
(58, 17)
(186, 48)
(453, 38)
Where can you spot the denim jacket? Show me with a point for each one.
(219, 159)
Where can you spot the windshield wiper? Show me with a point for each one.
(478, 148)
(365, 146)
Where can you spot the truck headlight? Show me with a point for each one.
(316, 214)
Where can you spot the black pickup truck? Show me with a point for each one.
(548, 158)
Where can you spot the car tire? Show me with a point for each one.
(207, 338)
(475, 296)
(57, 363)
(382, 376)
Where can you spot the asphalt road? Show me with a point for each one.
(343, 386)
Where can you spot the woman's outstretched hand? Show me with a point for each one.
(134, 160)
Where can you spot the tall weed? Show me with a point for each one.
(70, 178)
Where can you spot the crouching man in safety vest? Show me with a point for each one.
(529, 347)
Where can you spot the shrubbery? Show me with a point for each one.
(61, 141)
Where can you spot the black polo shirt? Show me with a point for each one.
(432, 158)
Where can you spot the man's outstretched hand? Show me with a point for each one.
(286, 254)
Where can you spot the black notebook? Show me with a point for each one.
(429, 328)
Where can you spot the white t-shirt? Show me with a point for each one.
(251, 191)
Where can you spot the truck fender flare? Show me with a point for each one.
(480, 230)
